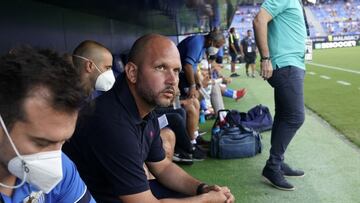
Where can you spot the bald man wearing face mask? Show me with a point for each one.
(94, 62)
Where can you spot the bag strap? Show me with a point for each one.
(244, 129)
(217, 121)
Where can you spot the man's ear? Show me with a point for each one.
(88, 66)
(131, 71)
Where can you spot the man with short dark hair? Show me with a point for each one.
(40, 96)
(234, 50)
(248, 46)
(122, 134)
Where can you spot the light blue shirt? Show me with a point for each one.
(70, 189)
(286, 33)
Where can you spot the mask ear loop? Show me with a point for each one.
(86, 59)
(25, 168)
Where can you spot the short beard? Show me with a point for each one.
(146, 94)
(149, 96)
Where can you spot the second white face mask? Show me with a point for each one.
(105, 81)
(312, 1)
(212, 50)
(44, 169)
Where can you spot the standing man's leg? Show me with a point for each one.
(247, 69)
(253, 66)
(289, 116)
(233, 64)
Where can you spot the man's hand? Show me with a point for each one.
(214, 197)
(230, 197)
(224, 190)
(192, 93)
(227, 80)
(266, 69)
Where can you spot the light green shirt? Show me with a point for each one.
(286, 33)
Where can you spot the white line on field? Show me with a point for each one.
(311, 73)
(343, 82)
(334, 67)
(325, 77)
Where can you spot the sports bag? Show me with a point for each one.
(233, 141)
(257, 118)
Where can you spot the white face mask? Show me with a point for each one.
(42, 170)
(212, 50)
(312, 1)
(105, 80)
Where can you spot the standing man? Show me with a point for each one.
(280, 36)
(234, 50)
(40, 96)
(122, 134)
(248, 46)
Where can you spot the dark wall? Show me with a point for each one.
(48, 26)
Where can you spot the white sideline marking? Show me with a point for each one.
(334, 67)
(325, 77)
(311, 73)
(343, 82)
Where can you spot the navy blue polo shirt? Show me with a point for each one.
(111, 143)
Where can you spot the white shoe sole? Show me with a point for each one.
(295, 176)
(277, 187)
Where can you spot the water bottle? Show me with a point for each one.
(215, 130)
(202, 117)
(176, 103)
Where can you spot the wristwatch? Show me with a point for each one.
(264, 58)
(199, 189)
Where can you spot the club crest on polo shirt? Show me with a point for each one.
(35, 197)
(163, 122)
(151, 134)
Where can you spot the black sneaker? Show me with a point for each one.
(288, 171)
(198, 153)
(181, 157)
(233, 75)
(276, 179)
(201, 141)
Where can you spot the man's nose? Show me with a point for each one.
(172, 77)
